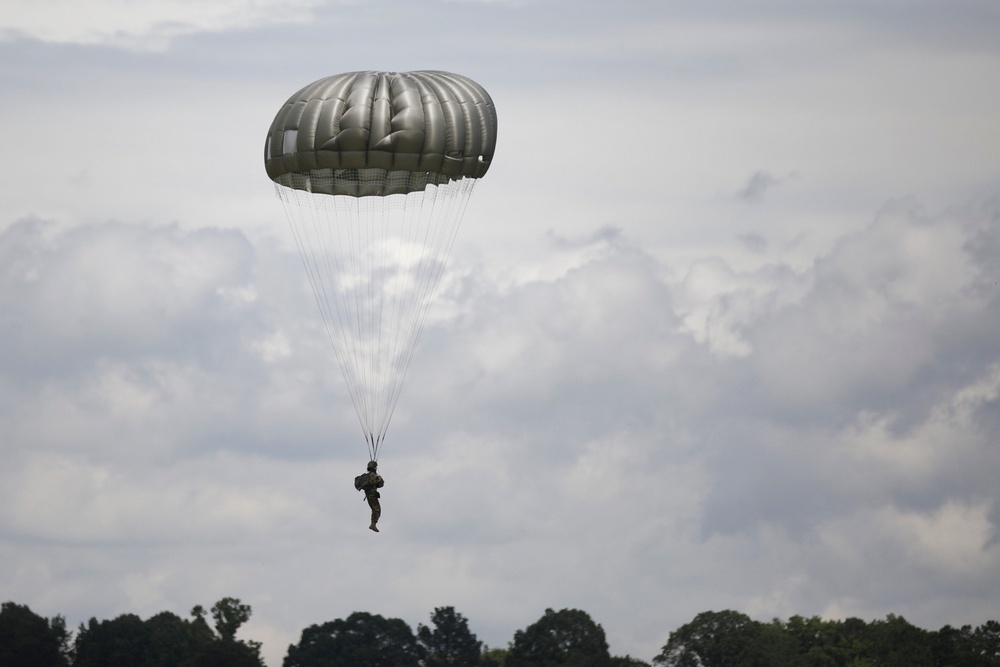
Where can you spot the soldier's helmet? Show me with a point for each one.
(372, 465)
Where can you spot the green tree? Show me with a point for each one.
(121, 642)
(822, 643)
(567, 638)
(954, 647)
(229, 614)
(450, 643)
(360, 639)
(201, 633)
(897, 643)
(29, 640)
(166, 640)
(627, 661)
(985, 642)
(493, 657)
(225, 653)
(726, 639)
(171, 640)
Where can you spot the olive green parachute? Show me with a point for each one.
(375, 170)
(399, 131)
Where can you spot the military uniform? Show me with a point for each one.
(371, 487)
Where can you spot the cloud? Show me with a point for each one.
(152, 334)
(620, 430)
(145, 26)
(870, 388)
(759, 183)
(115, 290)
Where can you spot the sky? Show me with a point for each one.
(719, 330)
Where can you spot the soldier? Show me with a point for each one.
(370, 486)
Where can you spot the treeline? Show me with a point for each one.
(566, 638)
(714, 639)
(163, 640)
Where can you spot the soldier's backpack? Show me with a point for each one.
(360, 481)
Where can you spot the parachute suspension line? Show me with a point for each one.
(340, 241)
(378, 260)
(374, 264)
(305, 219)
(394, 224)
(455, 197)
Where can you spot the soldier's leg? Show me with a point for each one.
(376, 512)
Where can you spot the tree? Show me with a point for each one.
(166, 640)
(229, 654)
(823, 643)
(954, 648)
(897, 643)
(986, 643)
(29, 640)
(727, 638)
(567, 638)
(493, 657)
(121, 642)
(450, 643)
(171, 640)
(229, 614)
(360, 639)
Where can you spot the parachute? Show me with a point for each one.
(375, 170)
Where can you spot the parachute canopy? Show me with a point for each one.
(375, 170)
(400, 131)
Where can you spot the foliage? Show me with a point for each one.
(568, 638)
(627, 661)
(229, 614)
(450, 643)
(734, 640)
(29, 640)
(565, 638)
(493, 657)
(726, 638)
(360, 639)
(166, 640)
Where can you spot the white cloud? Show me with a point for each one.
(142, 25)
(116, 288)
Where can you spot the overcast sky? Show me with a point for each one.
(720, 329)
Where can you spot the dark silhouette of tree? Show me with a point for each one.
(229, 654)
(171, 640)
(828, 643)
(897, 643)
(985, 642)
(567, 638)
(360, 639)
(166, 640)
(29, 640)
(734, 640)
(493, 657)
(954, 647)
(120, 642)
(450, 643)
(726, 639)
(229, 614)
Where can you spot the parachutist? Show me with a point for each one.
(374, 170)
(370, 482)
